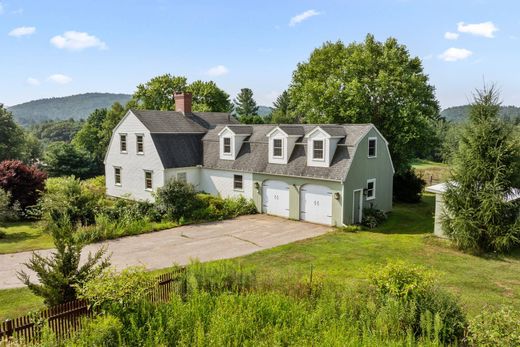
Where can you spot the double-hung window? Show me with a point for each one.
(148, 183)
(317, 149)
(371, 189)
(277, 148)
(227, 145)
(117, 176)
(122, 143)
(140, 144)
(182, 177)
(238, 183)
(372, 147)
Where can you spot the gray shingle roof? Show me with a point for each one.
(293, 129)
(334, 130)
(178, 150)
(176, 122)
(253, 156)
(241, 129)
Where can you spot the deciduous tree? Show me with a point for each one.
(24, 183)
(11, 136)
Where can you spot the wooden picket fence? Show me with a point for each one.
(67, 318)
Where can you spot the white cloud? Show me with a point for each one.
(219, 70)
(33, 81)
(451, 36)
(485, 29)
(77, 41)
(303, 16)
(59, 79)
(454, 54)
(1, 8)
(22, 31)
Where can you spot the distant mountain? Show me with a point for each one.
(264, 110)
(460, 113)
(74, 106)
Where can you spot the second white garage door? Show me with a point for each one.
(316, 204)
(275, 198)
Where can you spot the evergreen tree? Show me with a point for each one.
(245, 104)
(486, 167)
(11, 136)
(61, 273)
(281, 114)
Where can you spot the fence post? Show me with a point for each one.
(9, 328)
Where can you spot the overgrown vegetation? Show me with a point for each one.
(223, 304)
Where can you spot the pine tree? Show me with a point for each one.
(281, 114)
(478, 215)
(245, 104)
(59, 274)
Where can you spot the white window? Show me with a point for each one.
(117, 176)
(238, 182)
(122, 142)
(277, 148)
(140, 144)
(227, 145)
(371, 189)
(372, 147)
(182, 177)
(148, 184)
(317, 149)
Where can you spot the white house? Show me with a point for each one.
(319, 173)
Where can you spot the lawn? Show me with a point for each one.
(23, 236)
(350, 257)
(432, 172)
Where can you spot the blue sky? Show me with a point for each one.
(57, 48)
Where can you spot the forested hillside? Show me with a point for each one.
(74, 106)
(460, 113)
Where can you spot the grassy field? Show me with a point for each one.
(350, 257)
(432, 172)
(23, 236)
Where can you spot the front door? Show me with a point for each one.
(357, 206)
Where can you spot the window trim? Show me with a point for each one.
(241, 188)
(137, 143)
(372, 180)
(274, 148)
(146, 180)
(121, 135)
(322, 150)
(185, 180)
(116, 174)
(375, 147)
(224, 145)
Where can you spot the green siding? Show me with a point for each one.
(295, 184)
(364, 168)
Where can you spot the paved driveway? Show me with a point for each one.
(210, 241)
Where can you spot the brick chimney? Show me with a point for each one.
(182, 102)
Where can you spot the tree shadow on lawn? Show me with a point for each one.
(17, 237)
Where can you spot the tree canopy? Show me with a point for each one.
(368, 82)
(245, 104)
(157, 94)
(10, 135)
(479, 216)
(280, 114)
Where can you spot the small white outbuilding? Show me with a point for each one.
(439, 190)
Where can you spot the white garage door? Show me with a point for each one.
(275, 198)
(316, 204)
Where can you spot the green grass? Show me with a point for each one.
(350, 257)
(23, 236)
(432, 172)
(426, 164)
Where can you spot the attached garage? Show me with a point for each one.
(275, 198)
(316, 204)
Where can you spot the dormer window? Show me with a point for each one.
(317, 150)
(227, 145)
(277, 148)
(372, 147)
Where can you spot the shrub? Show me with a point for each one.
(499, 328)
(60, 274)
(24, 183)
(212, 207)
(372, 217)
(7, 213)
(350, 228)
(3, 234)
(68, 196)
(176, 199)
(401, 280)
(103, 330)
(408, 186)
